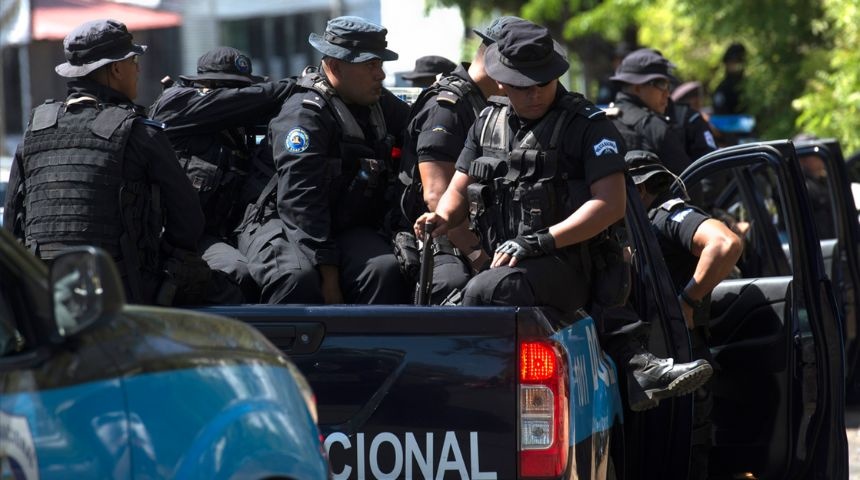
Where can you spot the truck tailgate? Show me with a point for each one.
(403, 391)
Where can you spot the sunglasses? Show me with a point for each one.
(539, 85)
(660, 84)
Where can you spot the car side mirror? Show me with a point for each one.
(86, 287)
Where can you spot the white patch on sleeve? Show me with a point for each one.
(709, 139)
(605, 145)
(680, 216)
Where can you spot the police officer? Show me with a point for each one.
(641, 108)
(93, 170)
(427, 68)
(440, 120)
(554, 161)
(211, 119)
(700, 252)
(332, 144)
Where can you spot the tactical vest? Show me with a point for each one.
(629, 122)
(451, 90)
(75, 193)
(361, 177)
(526, 187)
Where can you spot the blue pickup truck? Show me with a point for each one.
(93, 388)
(504, 393)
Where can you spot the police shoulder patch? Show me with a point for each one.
(605, 145)
(297, 140)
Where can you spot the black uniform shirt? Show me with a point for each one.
(675, 223)
(590, 148)
(655, 134)
(439, 129)
(149, 158)
(305, 143)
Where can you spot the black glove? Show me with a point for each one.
(532, 245)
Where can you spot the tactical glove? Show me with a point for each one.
(532, 245)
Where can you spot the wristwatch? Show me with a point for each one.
(688, 300)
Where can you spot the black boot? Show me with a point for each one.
(651, 379)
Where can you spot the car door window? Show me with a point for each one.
(751, 205)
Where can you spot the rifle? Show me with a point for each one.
(425, 278)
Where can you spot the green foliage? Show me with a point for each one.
(802, 56)
(830, 106)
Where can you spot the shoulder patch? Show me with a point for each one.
(153, 123)
(448, 97)
(297, 140)
(605, 146)
(709, 139)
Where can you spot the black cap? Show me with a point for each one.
(643, 165)
(524, 55)
(95, 44)
(353, 40)
(429, 66)
(492, 33)
(642, 66)
(224, 63)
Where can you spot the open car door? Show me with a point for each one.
(775, 328)
(840, 246)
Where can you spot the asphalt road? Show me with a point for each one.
(852, 424)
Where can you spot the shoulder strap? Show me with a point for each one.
(313, 80)
(494, 135)
(45, 116)
(108, 120)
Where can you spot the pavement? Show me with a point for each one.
(852, 427)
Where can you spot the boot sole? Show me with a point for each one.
(684, 384)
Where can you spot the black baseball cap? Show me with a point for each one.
(491, 34)
(95, 44)
(525, 55)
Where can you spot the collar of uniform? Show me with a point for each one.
(516, 122)
(623, 97)
(104, 93)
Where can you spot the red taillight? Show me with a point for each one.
(543, 415)
(537, 362)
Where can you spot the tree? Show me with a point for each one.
(801, 54)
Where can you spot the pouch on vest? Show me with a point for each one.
(359, 202)
(485, 214)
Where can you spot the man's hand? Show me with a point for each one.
(440, 225)
(524, 246)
